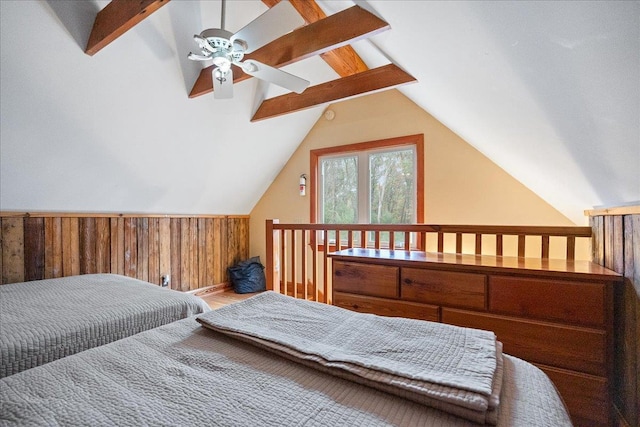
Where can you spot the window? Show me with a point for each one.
(377, 182)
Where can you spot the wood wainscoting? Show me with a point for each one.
(194, 251)
(616, 245)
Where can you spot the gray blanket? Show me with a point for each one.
(45, 320)
(448, 367)
(182, 374)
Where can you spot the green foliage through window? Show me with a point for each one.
(392, 187)
(377, 187)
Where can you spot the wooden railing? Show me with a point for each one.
(297, 263)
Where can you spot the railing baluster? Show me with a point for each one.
(478, 244)
(458, 243)
(350, 239)
(499, 244)
(521, 244)
(316, 252)
(283, 262)
(325, 268)
(421, 238)
(440, 241)
(392, 240)
(294, 249)
(545, 247)
(571, 248)
(363, 239)
(377, 239)
(272, 270)
(305, 243)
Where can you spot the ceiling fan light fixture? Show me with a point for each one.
(249, 67)
(221, 60)
(220, 74)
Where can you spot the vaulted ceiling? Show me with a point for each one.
(550, 91)
(325, 36)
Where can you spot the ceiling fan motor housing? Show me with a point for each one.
(223, 50)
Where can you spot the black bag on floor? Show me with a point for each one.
(248, 276)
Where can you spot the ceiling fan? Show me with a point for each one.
(226, 49)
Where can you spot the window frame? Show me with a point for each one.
(416, 141)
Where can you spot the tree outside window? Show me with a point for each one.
(373, 182)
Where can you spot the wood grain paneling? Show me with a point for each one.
(581, 391)
(385, 307)
(33, 248)
(616, 244)
(575, 348)
(444, 287)
(154, 252)
(569, 301)
(103, 244)
(164, 245)
(374, 280)
(52, 248)
(130, 247)
(194, 251)
(70, 247)
(142, 232)
(12, 250)
(87, 242)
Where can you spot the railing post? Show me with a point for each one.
(273, 256)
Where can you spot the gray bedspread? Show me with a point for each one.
(182, 374)
(44, 320)
(455, 369)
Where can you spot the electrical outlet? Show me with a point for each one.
(165, 280)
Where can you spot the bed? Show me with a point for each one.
(44, 320)
(274, 360)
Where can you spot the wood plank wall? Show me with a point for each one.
(194, 250)
(616, 245)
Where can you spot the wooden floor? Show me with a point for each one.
(220, 299)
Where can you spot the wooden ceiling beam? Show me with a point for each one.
(344, 60)
(117, 18)
(384, 77)
(319, 37)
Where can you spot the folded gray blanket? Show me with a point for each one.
(458, 370)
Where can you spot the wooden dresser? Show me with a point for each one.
(556, 314)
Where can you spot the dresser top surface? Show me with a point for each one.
(481, 262)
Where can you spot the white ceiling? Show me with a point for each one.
(550, 91)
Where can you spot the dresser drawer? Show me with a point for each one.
(366, 279)
(586, 396)
(568, 301)
(570, 347)
(386, 307)
(444, 288)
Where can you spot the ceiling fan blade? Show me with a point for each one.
(222, 84)
(275, 22)
(196, 57)
(274, 75)
(202, 42)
